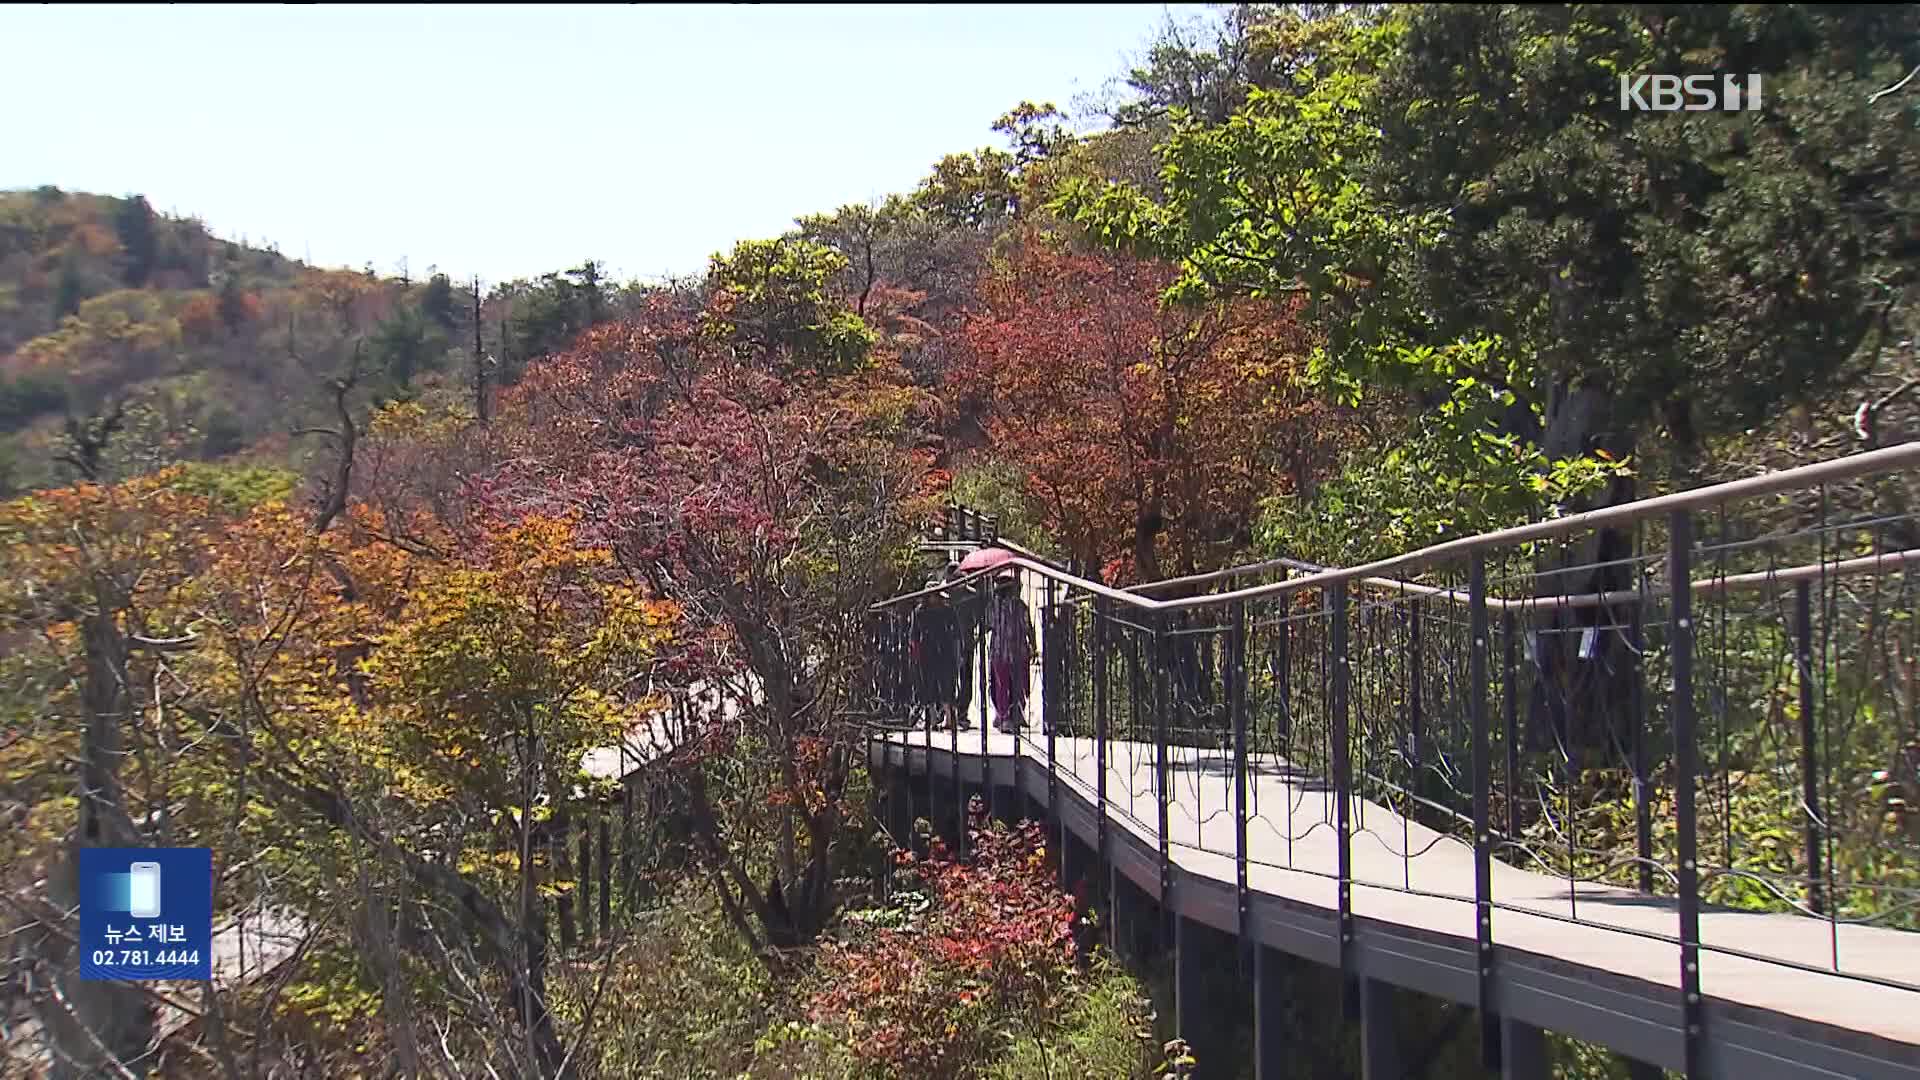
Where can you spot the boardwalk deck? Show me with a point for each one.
(1614, 939)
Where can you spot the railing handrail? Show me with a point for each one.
(1833, 470)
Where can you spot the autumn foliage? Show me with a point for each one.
(1148, 431)
(752, 461)
(990, 956)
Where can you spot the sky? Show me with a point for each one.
(509, 141)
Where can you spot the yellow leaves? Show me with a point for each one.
(411, 422)
(396, 418)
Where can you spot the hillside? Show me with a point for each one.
(209, 350)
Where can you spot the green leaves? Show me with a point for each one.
(771, 304)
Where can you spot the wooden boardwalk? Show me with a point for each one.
(1410, 878)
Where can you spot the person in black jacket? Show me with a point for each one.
(969, 609)
(935, 653)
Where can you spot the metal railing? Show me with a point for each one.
(1708, 700)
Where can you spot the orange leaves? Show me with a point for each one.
(200, 319)
(144, 536)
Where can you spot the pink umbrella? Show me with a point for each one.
(986, 559)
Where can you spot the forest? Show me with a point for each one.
(348, 577)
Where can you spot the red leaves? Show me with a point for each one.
(996, 943)
(1130, 415)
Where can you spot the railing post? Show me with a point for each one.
(1482, 787)
(986, 683)
(1102, 700)
(1053, 703)
(559, 856)
(1283, 695)
(1686, 767)
(1237, 709)
(1416, 752)
(968, 627)
(1340, 673)
(606, 874)
(952, 692)
(1809, 753)
(628, 886)
(1162, 707)
(586, 877)
(1642, 728)
(1510, 691)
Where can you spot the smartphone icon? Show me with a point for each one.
(143, 892)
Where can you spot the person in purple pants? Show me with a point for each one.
(1009, 654)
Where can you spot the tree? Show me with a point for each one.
(405, 346)
(1685, 287)
(237, 307)
(1203, 69)
(1565, 280)
(1141, 424)
(544, 316)
(1698, 269)
(987, 188)
(858, 233)
(133, 223)
(771, 308)
(771, 512)
(410, 723)
(101, 572)
(908, 271)
(436, 302)
(223, 433)
(69, 290)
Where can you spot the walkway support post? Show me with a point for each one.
(1523, 1052)
(1269, 1014)
(627, 884)
(1490, 1043)
(1343, 793)
(1379, 1034)
(1186, 979)
(1686, 769)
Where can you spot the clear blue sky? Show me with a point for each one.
(509, 141)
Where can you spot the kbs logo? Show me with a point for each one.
(1693, 93)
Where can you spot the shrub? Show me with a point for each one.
(971, 957)
(683, 997)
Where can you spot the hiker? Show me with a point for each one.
(1010, 654)
(936, 654)
(966, 614)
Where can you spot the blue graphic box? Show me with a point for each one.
(146, 913)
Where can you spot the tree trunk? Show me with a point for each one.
(1582, 692)
(1146, 531)
(103, 1023)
